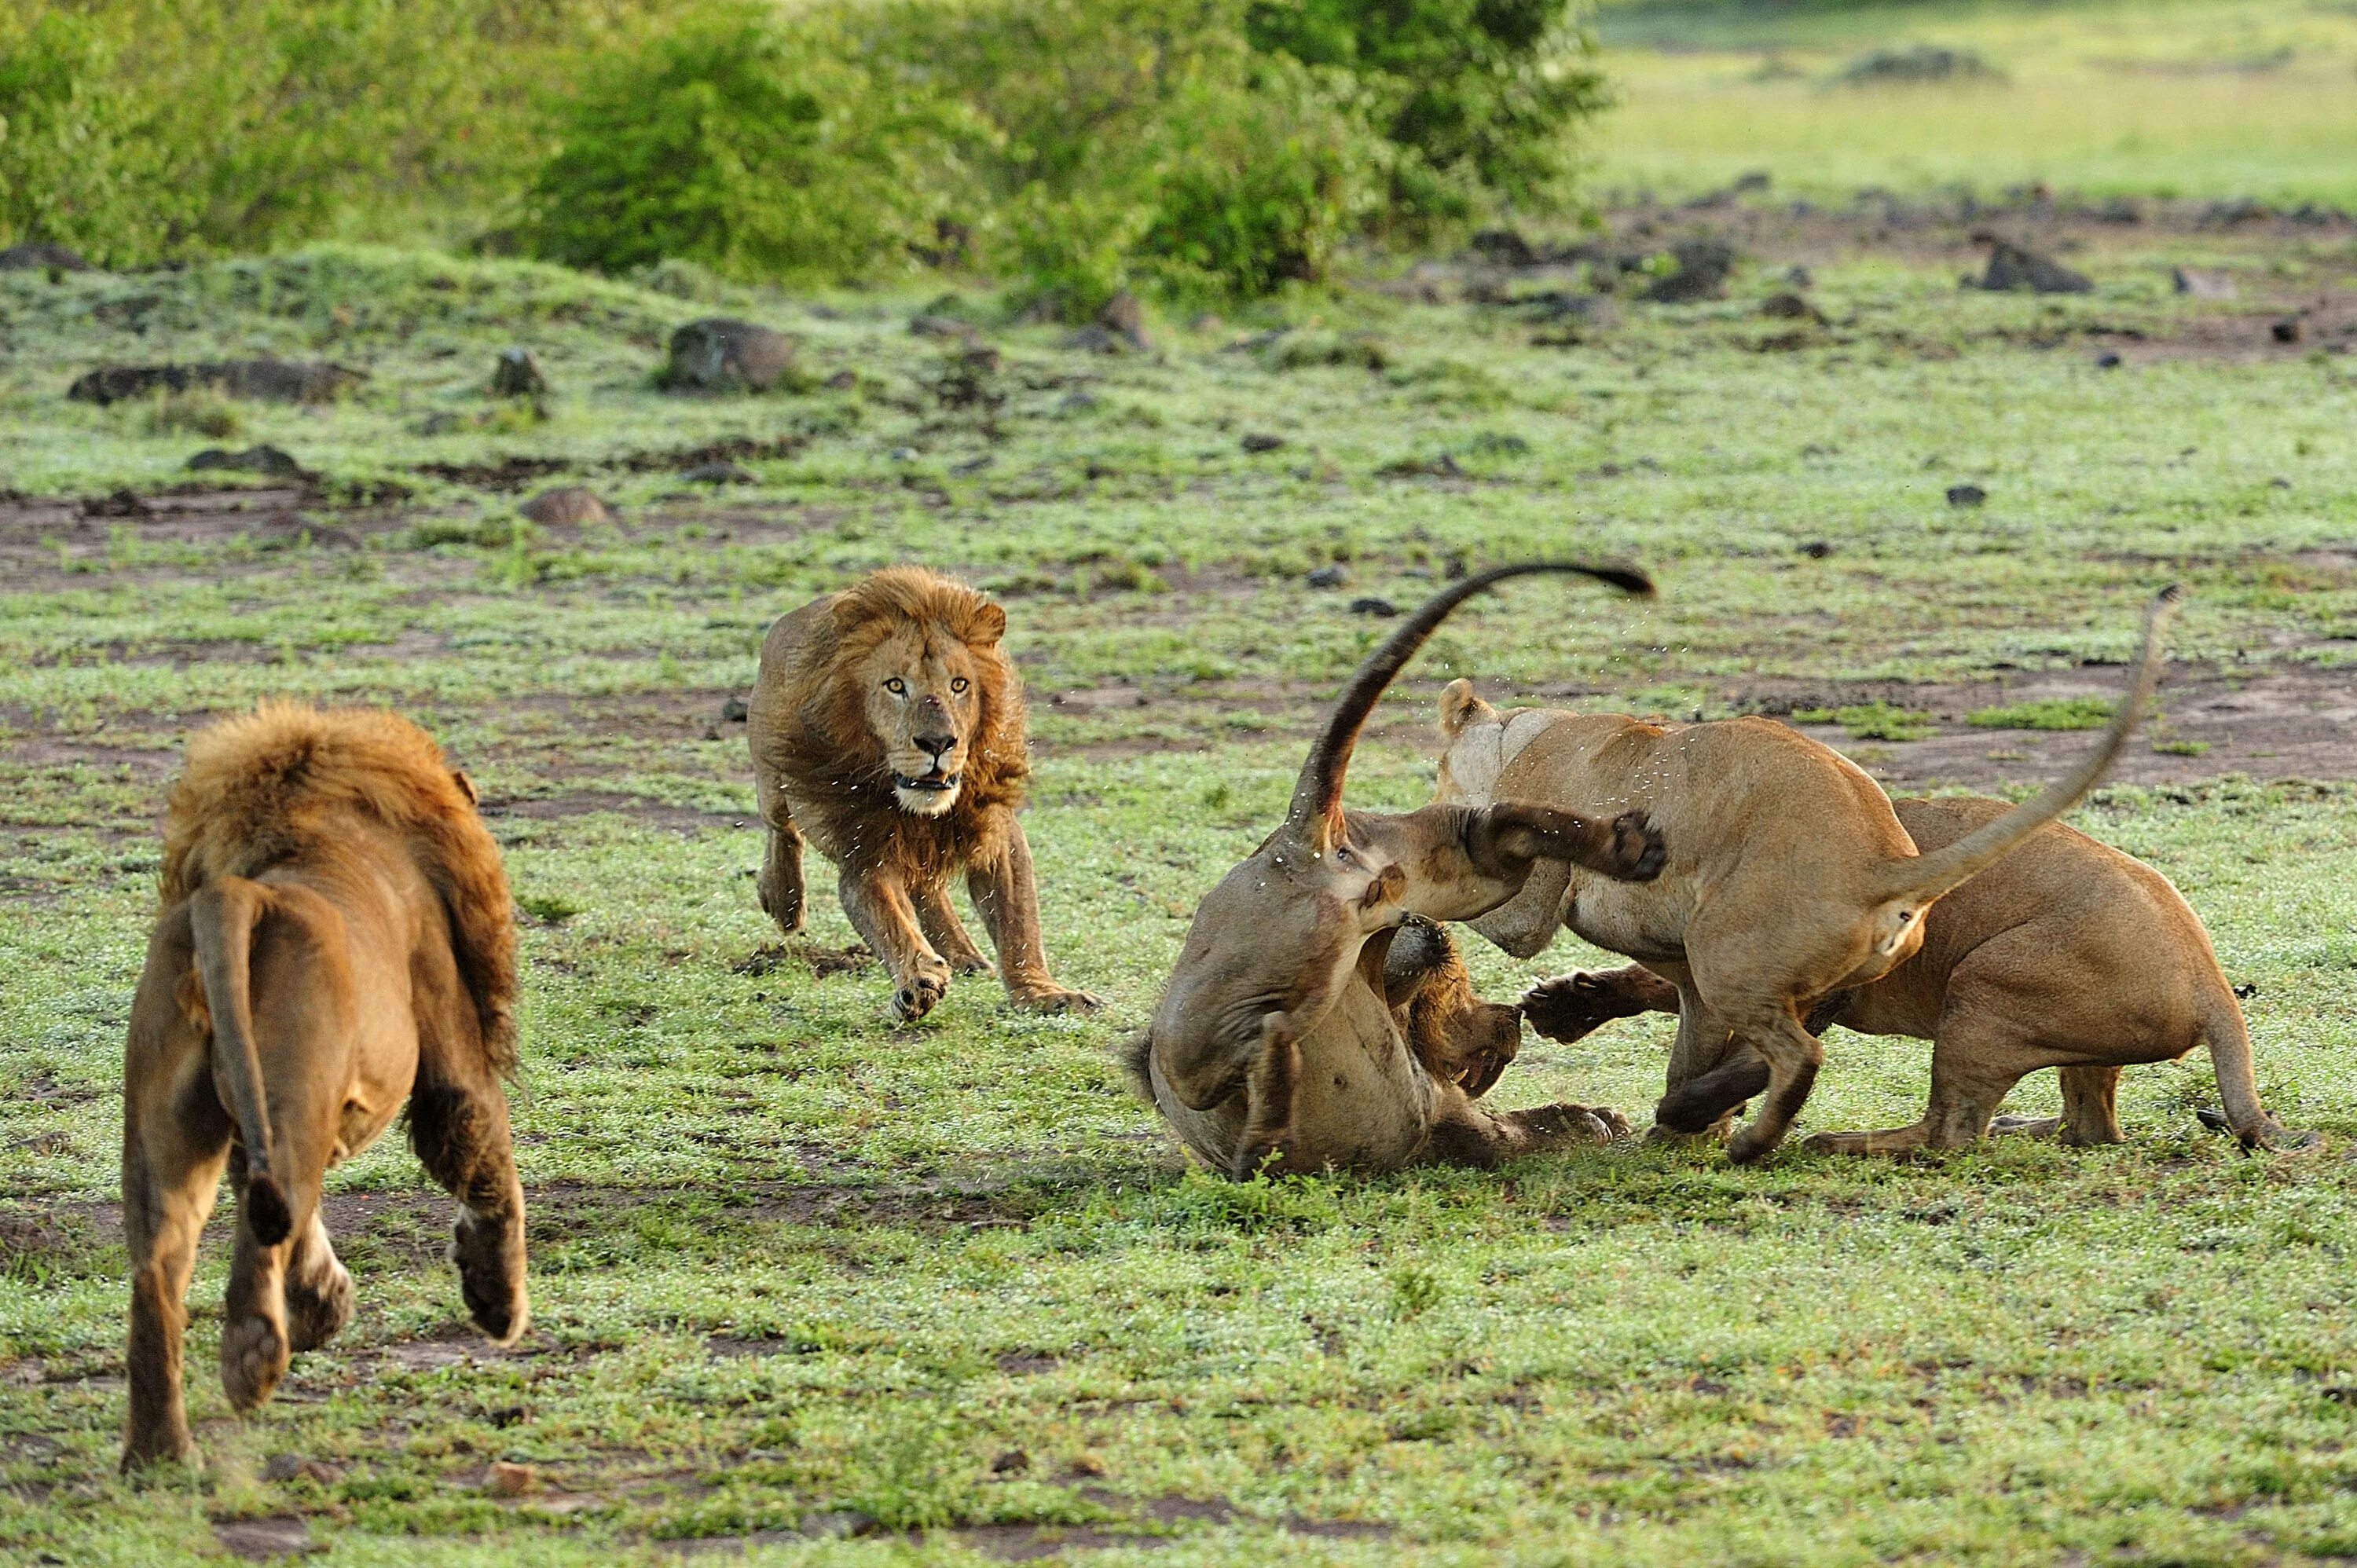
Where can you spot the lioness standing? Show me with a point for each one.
(887, 723)
(335, 940)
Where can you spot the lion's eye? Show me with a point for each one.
(959, 683)
(896, 686)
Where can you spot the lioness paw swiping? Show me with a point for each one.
(886, 727)
(336, 939)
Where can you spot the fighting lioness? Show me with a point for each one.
(887, 722)
(1790, 877)
(2066, 953)
(336, 939)
(1278, 1044)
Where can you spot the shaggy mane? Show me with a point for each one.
(269, 787)
(837, 764)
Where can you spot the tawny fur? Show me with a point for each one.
(920, 655)
(336, 941)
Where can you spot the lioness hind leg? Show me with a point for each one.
(458, 1126)
(2091, 1115)
(1975, 1062)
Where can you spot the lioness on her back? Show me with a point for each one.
(1286, 1038)
(2066, 953)
(887, 725)
(336, 939)
(1790, 877)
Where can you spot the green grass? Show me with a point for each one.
(2048, 712)
(790, 1260)
(2188, 98)
(1871, 721)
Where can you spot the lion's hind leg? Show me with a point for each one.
(319, 1288)
(1464, 1134)
(458, 1126)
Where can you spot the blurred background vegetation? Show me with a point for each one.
(1207, 149)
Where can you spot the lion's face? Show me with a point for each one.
(922, 690)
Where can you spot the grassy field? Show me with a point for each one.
(815, 1288)
(2215, 99)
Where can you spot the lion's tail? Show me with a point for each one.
(2228, 1039)
(222, 918)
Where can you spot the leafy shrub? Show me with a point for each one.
(729, 144)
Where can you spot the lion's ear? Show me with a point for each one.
(1460, 706)
(989, 625)
(466, 786)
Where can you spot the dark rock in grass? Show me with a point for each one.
(267, 380)
(1259, 441)
(258, 460)
(1123, 315)
(1702, 268)
(517, 374)
(2107, 361)
(941, 327)
(1566, 305)
(41, 256)
(722, 354)
(1966, 495)
(842, 380)
(2287, 330)
(1095, 340)
(718, 473)
(2012, 266)
(1372, 606)
(2201, 285)
(1910, 64)
(1789, 306)
(1815, 549)
(567, 506)
(1443, 466)
(733, 711)
(1504, 247)
(1329, 577)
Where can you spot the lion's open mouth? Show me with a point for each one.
(932, 781)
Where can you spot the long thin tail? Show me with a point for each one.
(1319, 792)
(1926, 877)
(2238, 1083)
(222, 918)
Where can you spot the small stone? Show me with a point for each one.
(1122, 314)
(260, 459)
(1013, 1462)
(1966, 495)
(2287, 330)
(842, 380)
(733, 711)
(1371, 606)
(1088, 1464)
(2107, 361)
(941, 327)
(837, 1524)
(1701, 272)
(1815, 549)
(723, 354)
(517, 374)
(2201, 285)
(1799, 276)
(569, 506)
(508, 1481)
(2012, 266)
(1328, 577)
(294, 1467)
(1095, 340)
(1260, 442)
(1789, 306)
(42, 257)
(719, 472)
(971, 465)
(260, 1539)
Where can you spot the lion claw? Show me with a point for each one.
(1058, 999)
(916, 999)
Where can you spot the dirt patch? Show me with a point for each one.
(586, 803)
(262, 1540)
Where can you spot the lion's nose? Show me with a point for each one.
(937, 747)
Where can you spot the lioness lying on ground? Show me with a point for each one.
(887, 722)
(336, 939)
(2064, 954)
(1789, 878)
(1286, 1041)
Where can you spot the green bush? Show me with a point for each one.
(732, 143)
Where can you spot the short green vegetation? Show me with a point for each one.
(2048, 712)
(1870, 721)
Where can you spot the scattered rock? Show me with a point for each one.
(1815, 549)
(1799, 276)
(1095, 340)
(260, 1539)
(1373, 606)
(1908, 64)
(842, 380)
(1504, 247)
(41, 256)
(971, 465)
(2287, 330)
(1013, 1462)
(837, 1524)
(2230, 212)
(718, 473)
(941, 327)
(1568, 304)
(567, 506)
(510, 1480)
(1789, 306)
(258, 460)
(292, 530)
(733, 711)
(720, 353)
(1259, 441)
(294, 1467)
(1443, 466)
(2108, 360)
(1329, 577)
(1124, 315)
(517, 374)
(2201, 285)
(2012, 266)
(267, 380)
(1702, 268)
(1966, 495)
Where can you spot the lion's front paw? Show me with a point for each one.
(1616, 1126)
(916, 998)
(1638, 852)
(1053, 998)
(1570, 1006)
